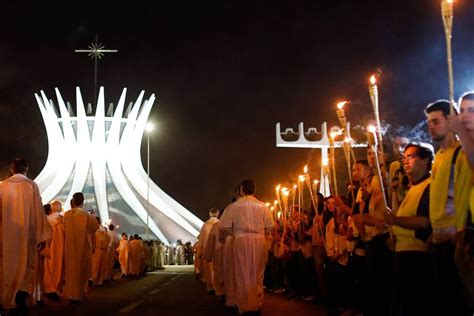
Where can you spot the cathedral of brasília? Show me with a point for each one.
(99, 154)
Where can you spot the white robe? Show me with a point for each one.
(206, 273)
(248, 219)
(228, 272)
(135, 257)
(23, 226)
(214, 252)
(78, 226)
(123, 256)
(54, 264)
(99, 257)
(113, 243)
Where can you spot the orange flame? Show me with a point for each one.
(373, 80)
(305, 169)
(325, 162)
(340, 105)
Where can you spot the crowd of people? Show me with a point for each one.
(401, 242)
(53, 254)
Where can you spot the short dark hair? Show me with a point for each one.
(424, 151)
(248, 186)
(364, 162)
(19, 165)
(47, 209)
(78, 199)
(440, 105)
(111, 227)
(466, 96)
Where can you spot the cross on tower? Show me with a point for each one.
(96, 51)
(302, 142)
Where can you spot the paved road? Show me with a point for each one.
(174, 291)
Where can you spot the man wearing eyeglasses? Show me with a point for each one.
(411, 227)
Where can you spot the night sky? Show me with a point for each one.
(224, 73)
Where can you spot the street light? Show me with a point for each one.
(149, 128)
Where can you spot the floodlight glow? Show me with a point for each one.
(371, 128)
(149, 127)
(102, 153)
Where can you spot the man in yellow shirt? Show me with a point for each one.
(411, 227)
(449, 197)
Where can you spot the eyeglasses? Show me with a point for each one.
(409, 157)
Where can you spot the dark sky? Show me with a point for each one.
(225, 72)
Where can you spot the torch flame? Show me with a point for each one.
(340, 105)
(325, 162)
(348, 139)
(333, 135)
(267, 204)
(286, 192)
(371, 128)
(294, 186)
(372, 79)
(278, 187)
(279, 215)
(275, 202)
(272, 208)
(305, 169)
(301, 177)
(450, 1)
(316, 182)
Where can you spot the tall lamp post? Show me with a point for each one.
(149, 128)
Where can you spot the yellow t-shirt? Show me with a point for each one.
(406, 238)
(440, 185)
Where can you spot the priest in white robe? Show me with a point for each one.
(207, 273)
(79, 225)
(123, 251)
(99, 256)
(113, 243)
(248, 219)
(54, 264)
(24, 228)
(214, 252)
(135, 256)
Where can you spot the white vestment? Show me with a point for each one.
(135, 257)
(123, 255)
(214, 252)
(206, 273)
(78, 225)
(54, 264)
(113, 243)
(248, 219)
(229, 273)
(99, 257)
(23, 225)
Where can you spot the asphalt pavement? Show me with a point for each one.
(173, 291)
